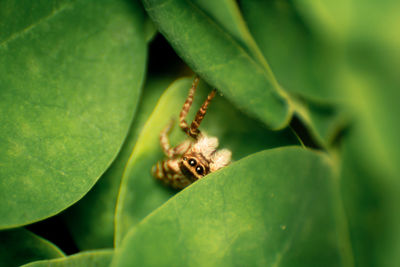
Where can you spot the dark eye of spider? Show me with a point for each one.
(199, 170)
(192, 162)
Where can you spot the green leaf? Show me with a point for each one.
(218, 58)
(95, 258)
(91, 220)
(301, 62)
(71, 76)
(366, 201)
(226, 13)
(370, 83)
(150, 30)
(371, 189)
(256, 212)
(140, 193)
(19, 246)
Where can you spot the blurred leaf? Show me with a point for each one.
(91, 220)
(150, 30)
(370, 83)
(366, 200)
(367, 78)
(140, 193)
(256, 212)
(304, 64)
(354, 21)
(218, 58)
(95, 258)
(371, 184)
(301, 62)
(19, 246)
(69, 87)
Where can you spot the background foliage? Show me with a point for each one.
(307, 103)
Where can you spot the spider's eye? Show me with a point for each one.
(184, 158)
(199, 170)
(192, 162)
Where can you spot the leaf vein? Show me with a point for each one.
(32, 26)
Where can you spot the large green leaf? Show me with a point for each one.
(19, 246)
(278, 207)
(71, 74)
(221, 60)
(95, 258)
(91, 220)
(140, 193)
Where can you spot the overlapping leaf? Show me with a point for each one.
(19, 246)
(220, 59)
(279, 207)
(95, 258)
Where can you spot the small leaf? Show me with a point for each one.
(69, 88)
(278, 207)
(19, 246)
(95, 258)
(140, 193)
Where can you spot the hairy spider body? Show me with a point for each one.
(194, 158)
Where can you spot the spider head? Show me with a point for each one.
(194, 166)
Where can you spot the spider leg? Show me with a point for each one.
(164, 141)
(169, 173)
(186, 106)
(169, 151)
(182, 148)
(194, 127)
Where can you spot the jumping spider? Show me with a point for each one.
(194, 158)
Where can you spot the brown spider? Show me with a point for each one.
(195, 157)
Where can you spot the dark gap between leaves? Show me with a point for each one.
(302, 132)
(54, 230)
(163, 59)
